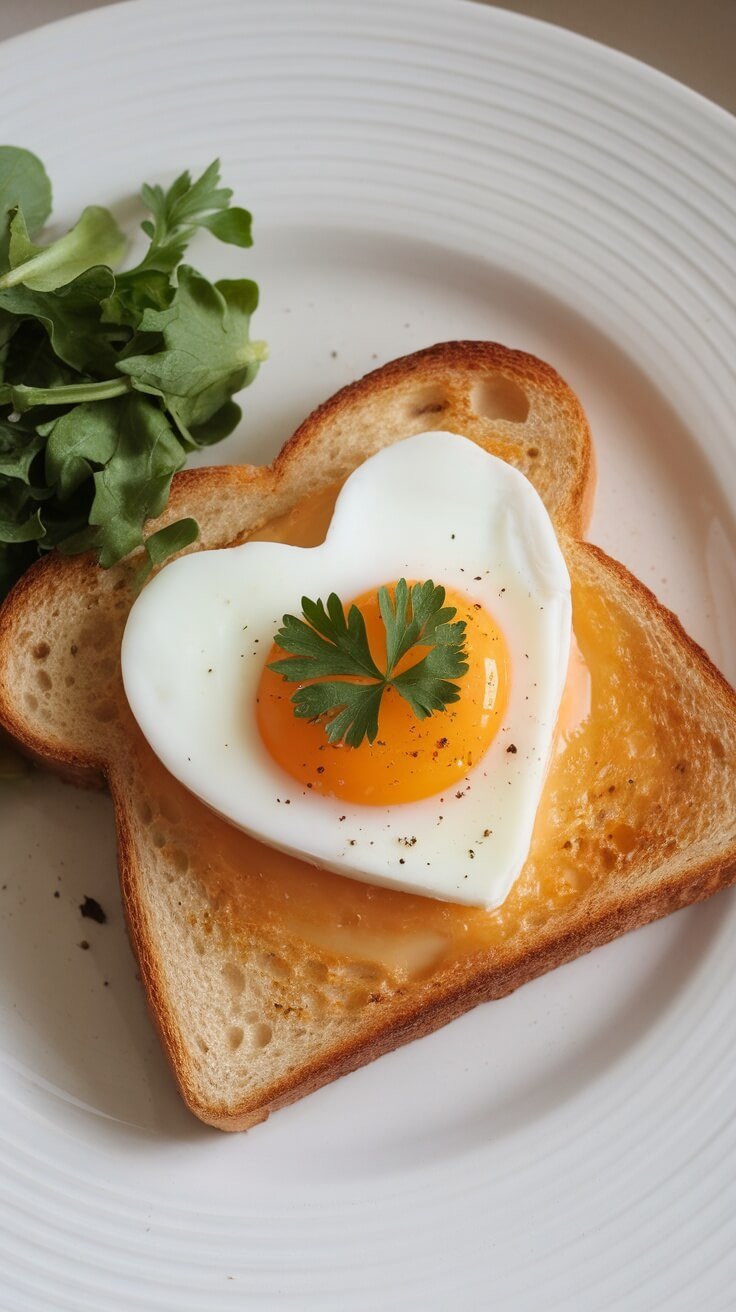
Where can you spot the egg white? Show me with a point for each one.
(432, 506)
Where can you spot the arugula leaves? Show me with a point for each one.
(94, 239)
(25, 185)
(184, 207)
(109, 378)
(333, 647)
(206, 354)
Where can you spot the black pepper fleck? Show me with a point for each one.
(512, 749)
(92, 910)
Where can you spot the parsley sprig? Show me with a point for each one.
(330, 646)
(110, 377)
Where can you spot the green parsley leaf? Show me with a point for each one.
(184, 207)
(134, 484)
(23, 182)
(30, 531)
(71, 316)
(95, 239)
(333, 647)
(79, 442)
(207, 354)
(351, 709)
(19, 447)
(115, 376)
(136, 292)
(167, 542)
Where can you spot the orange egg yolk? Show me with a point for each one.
(411, 758)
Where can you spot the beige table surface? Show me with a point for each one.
(692, 40)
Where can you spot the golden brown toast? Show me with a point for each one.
(267, 977)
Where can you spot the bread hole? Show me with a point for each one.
(428, 401)
(235, 1036)
(145, 813)
(316, 971)
(203, 1047)
(121, 605)
(574, 879)
(41, 651)
(261, 1035)
(532, 452)
(623, 838)
(26, 636)
(357, 1000)
(608, 858)
(104, 712)
(31, 701)
(158, 838)
(299, 1032)
(251, 1017)
(234, 978)
(199, 947)
(117, 587)
(69, 681)
(43, 679)
(500, 398)
(276, 966)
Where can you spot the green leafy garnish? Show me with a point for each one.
(205, 355)
(24, 185)
(108, 378)
(330, 646)
(94, 239)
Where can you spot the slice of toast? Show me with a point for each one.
(266, 977)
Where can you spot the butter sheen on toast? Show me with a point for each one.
(266, 977)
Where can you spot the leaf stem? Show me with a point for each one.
(23, 397)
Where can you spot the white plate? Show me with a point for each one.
(418, 171)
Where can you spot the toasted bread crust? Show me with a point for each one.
(468, 982)
(430, 1013)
